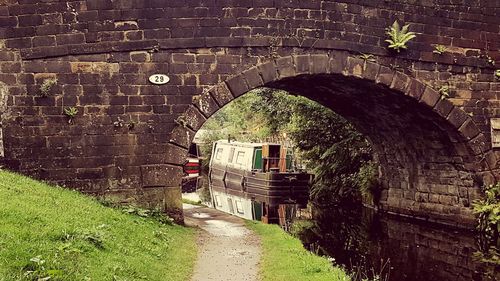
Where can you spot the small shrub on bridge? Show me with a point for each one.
(399, 36)
(46, 86)
(444, 91)
(439, 49)
(70, 112)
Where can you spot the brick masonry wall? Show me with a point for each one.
(129, 138)
(3, 107)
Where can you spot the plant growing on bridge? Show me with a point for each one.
(118, 123)
(490, 60)
(131, 124)
(181, 120)
(439, 49)
(367, 57)
(444, 91)
(71, 112)
(497, 73)
(46, 86)
(399, 36)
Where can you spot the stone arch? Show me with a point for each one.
(448, 149)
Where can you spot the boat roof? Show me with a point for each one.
(246, 144)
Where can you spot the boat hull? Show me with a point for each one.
(272, 188)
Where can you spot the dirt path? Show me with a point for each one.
(228, 250)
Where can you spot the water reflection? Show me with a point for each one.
(393, 248)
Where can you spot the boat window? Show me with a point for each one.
(240, 157)
(218, 153)
(239, 207)
(218, 203)
(231, 155)
(257, 162)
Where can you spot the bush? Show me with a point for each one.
(488, 218)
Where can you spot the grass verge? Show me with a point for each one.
(284, 258)
(50, 233)
(192, 202)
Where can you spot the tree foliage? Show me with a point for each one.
(339, 156)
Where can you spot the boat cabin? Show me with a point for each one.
(252, 180)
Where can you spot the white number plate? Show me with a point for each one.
(159, 79)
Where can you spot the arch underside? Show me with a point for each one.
(423, 158)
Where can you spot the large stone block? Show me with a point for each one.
(175, 155)
(161, 175)
(268, 72)
(173, 202)
(206, 104)
(457, 117)
(237, 85)
(400, 82)
(253, 78)
(319, 64)
(192, 118)
(181, 136)
(355, 66)
(302, 64)
(338, 62)
(285, 67)
(385, 76)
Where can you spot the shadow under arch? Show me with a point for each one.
(429, 150)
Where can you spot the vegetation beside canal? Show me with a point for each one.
(487, 211)
(284, 258)
(50, 233)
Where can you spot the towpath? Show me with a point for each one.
(228, 250)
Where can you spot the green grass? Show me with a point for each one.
(284, 258)
(53, 232)
(192, 202)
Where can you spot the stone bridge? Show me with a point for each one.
(430, 117)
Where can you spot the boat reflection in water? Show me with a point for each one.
(256, 181)
(393, 248)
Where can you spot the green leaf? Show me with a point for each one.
(399, 36)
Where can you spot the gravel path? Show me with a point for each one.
(228, 250)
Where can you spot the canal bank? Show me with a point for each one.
(231, 248)
(394, 248)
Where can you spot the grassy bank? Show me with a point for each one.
(284, 258)
(52, 232)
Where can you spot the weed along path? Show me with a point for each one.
(229, 251)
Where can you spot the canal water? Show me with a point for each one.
(395, 249)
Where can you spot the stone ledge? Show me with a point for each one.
(218, 42)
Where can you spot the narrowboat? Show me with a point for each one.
(192, 165)
(256, 181)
